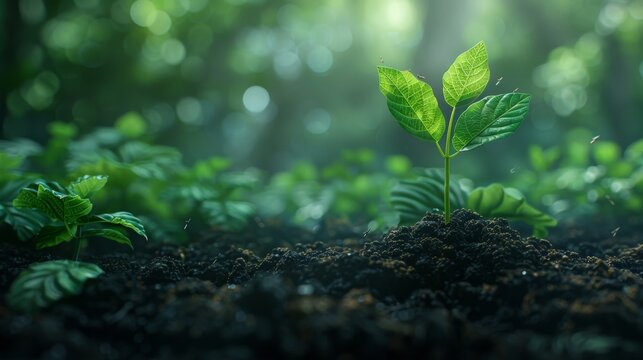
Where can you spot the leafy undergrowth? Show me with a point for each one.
(472, 289)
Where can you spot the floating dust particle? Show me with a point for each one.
(499, 80)
(594, 139)
(615, 231)
(524, 273)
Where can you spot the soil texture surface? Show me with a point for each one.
(472, 289)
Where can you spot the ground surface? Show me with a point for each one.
(474, 289)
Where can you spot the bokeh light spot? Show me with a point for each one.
(319, 59)
(189, 111)
(256, 99)
(172, 51)
(143, 13)
(162, 23)
(317, 121)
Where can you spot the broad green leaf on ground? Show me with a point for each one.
(489, 119)
(54, 203)
(467, 77)
(229, 215)
(44, 283)
(87, 185)
(413, 198)
(109, 234)
(497, 201)
(412, 103)
(122, 218)
(53, 235)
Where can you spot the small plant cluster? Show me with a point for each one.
(353, 188)
(69, 212)
(584, 176)
(412, 103)
(414, 197)
(51, 214)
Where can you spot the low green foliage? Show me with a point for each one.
(44, 283)
(415, 107)
(413, 198)
(353, 188)
(216, 197)
(584, 176)
(70, 212)
(497, 201)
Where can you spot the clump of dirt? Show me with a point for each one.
(471, 289)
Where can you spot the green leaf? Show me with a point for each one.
(28, 199)
(67, 208)
(124, 219)
(497, 201)
(88, 185)
(228, 215)
(54, 235)
(44, 283)
(467, 77)
(489, 119)
(412, 103)
(26, 222)
(54, 203)
(109, 234)
(413, 198)
(149, 161)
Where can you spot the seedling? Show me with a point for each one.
(412, 103)
(70, 211)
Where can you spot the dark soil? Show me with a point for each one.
(473, 289)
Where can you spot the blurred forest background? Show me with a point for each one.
(271, 82)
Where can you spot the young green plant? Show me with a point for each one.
(415, 107)
(70, 212)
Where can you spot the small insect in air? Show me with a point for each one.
(615, 231)
(499, 80)
(514, 169)
(381, 60)
(516, 89)
(187, 222)
(420, 77)
(594, 139)
(609, 199)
